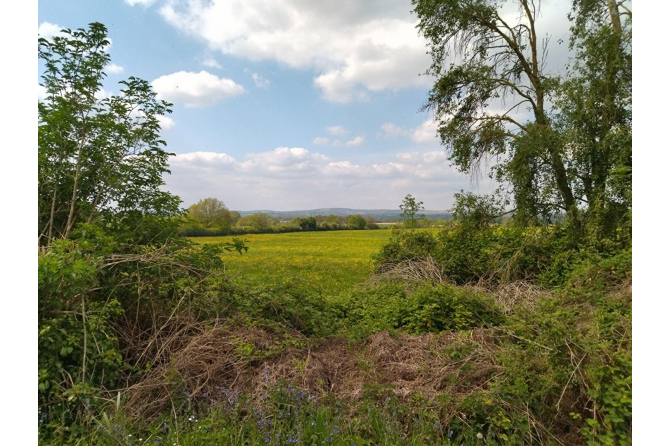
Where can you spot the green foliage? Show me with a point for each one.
(474, 253)
(573, 156)
(210, 213)
(307, 224)
(410, 211)
(258, 221)
(95, 156)
(389, 306)
(78, 353)
(405, 245)
(356, 222)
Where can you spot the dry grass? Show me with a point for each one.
(412, 271)
(220, 360)
(514, 295)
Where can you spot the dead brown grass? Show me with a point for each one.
(252, 361)
(412, 271)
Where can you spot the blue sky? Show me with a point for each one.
(284, 105)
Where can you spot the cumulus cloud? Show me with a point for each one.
(434, 157)
(392, 131)
(103, 94)
(426, 132)
(48, 30)
(357, 141)
(423, 133)
(282, 159)
(296, 178)
(114, 69)
(321, 140)
(165, 122)
(195, 89)
(353, 47)
(260, 81)
(211, 62)
(202, 159)
(337, 130)
(144, 3)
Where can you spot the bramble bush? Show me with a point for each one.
(427, 309)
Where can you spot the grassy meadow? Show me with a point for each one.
(324, 262)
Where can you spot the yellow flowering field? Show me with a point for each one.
(326, 262)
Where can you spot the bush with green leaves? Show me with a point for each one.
(426, 309)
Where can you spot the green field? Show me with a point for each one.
(326, 262)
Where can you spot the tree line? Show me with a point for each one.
(211, 217)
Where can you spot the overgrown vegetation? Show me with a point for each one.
(479, 333)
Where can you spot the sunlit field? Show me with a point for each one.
(326, 262)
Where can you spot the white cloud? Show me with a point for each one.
(165, 122)
(211, 62)
(357, 141)
(144, 3)
(41, 93)
(392, 131)
(354, 47)
(295, 178)
(337, 130)
(408, 157)
(426, 132)
(282, 159)
(49, 30)
(260, 81)
(102, 94)
(113, 68)
(321, 140)
(195, 89)
(202, 158)
(434, 157)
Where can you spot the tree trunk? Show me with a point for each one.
(70, 217)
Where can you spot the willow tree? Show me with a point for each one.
(98, 154)
(480, 59)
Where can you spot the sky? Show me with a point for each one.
(286, 105)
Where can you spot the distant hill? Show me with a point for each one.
(381, 215)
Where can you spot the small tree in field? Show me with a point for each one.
(410, 211)
(356, 222)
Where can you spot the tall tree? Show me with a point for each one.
(210, 213)
(480, 57)
(97, 154)
(594, 112)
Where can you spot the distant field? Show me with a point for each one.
(326, 262)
